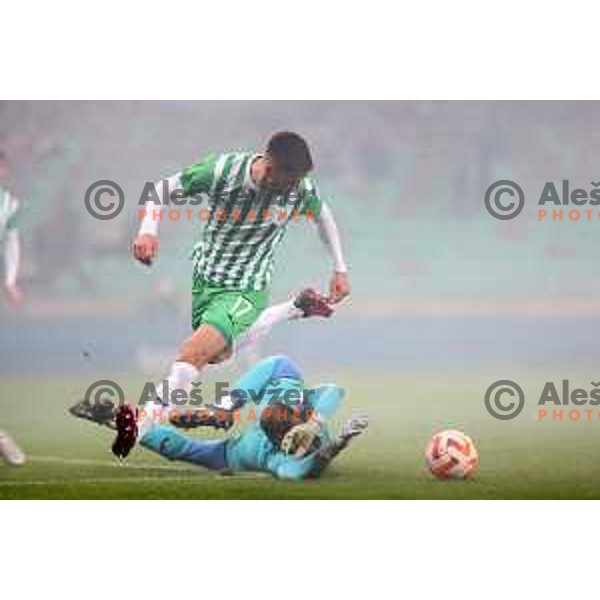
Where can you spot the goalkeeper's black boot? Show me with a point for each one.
(101, 412)
(211, 415)
(312, 304)
(127, 431)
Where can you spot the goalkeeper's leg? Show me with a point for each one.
(257, 378)
(261, 375)
(173, 445)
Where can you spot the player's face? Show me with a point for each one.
(278, 180)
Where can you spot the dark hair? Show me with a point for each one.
(290, 152)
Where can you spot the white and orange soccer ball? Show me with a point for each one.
(451, 454)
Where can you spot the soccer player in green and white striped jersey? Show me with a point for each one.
(9, 237)
(252, 197)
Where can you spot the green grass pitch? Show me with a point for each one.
(519, 459)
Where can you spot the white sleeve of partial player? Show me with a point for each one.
(12, 257)
(164, 188)
(330, 236)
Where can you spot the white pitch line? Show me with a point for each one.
(193, 471)
(105, 463)
(124, 480)
(91, 481)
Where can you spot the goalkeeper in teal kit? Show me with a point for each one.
(289, 438)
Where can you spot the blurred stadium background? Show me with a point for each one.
(440, 288)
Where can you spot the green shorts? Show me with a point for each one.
(230, 311)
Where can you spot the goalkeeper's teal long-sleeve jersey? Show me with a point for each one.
(252, 450)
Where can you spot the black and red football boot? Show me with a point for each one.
(313, 304)
(127, 431)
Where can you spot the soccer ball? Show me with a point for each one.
(451, 454)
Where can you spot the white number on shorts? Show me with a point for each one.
(241, 307)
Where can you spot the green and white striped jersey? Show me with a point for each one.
(9, 210)
(246, 223)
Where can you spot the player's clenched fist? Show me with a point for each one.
(339, 287)
(14, 295)
(145, 248)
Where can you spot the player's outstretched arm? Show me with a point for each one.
(146, 245)
(352, 428)
(339, 287)
(198, 178)
(286, 466)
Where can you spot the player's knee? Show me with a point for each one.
(326, 399)
(331, 389)
(284, 366)
(222, 356)
(207, 344)
(196, 354)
